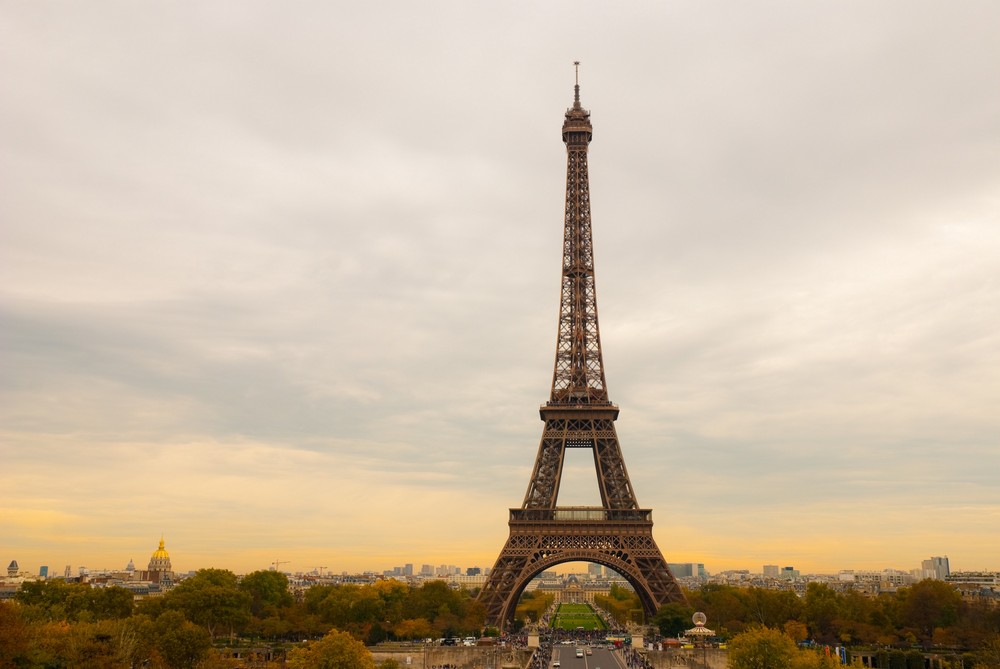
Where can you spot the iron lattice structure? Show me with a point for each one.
(579, 414)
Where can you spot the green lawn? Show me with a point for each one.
(572, 616)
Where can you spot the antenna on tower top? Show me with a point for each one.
(576, 88)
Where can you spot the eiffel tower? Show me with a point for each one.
(579, 414)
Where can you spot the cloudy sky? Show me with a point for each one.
(279, 280)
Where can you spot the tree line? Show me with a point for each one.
(55, 623)
(781, 630)
(930, 613)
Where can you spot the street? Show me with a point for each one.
(602, 658)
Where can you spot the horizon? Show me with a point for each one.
(288, 566)
(282, 283)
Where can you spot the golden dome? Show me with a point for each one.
(160, 553)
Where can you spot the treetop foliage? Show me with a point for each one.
(52, 622)
(927, 613)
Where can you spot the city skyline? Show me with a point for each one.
(283, 283)
(424, 569)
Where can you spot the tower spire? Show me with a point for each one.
(579, 370)
(576, 88)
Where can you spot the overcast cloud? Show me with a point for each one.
(280, 280)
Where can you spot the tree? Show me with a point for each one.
(267, 589)
(766, 648)
(620, 604)
(724, 604)
(92, 645)
(181, 643)
(796, 631)
(428, 600)
(821, 609)
(336, 650)
(673, 618)
(475, 615)
(533, 606)
(761, 648)
(771, 608)
(211, 598)
(988, 656)
(417, 628)
(15, 636)
(927, 605)
(135, 639)
(811, 659)
(113, 603)
(57, 599)
(394, 594)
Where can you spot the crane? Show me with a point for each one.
(276, 563)
(319, 570)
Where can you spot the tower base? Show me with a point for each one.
(542, 538)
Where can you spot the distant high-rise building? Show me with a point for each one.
(936, 568)
(596, 569)
(473, 571)
(426, 570)
(789, 572)
(687, 569)
(12, 569)
(679, 569)
(408, 569)
(771, 571)
(43, 571)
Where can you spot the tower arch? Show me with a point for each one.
(622, 566)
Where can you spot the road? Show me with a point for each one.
(602, 658)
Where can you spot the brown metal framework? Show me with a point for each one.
(579, 414)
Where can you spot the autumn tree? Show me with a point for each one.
(796, 631)
(57, 599)
(336, 650)
(533, 605)
(988, 656)
(449, 611)
(180, 642)
(821, 610)
(413, 628)
(927, 605)
(761, 648)
(724, 604)
(771, 608)
(620, 604)
(16, 636)
(211, 598)
(268, 590)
